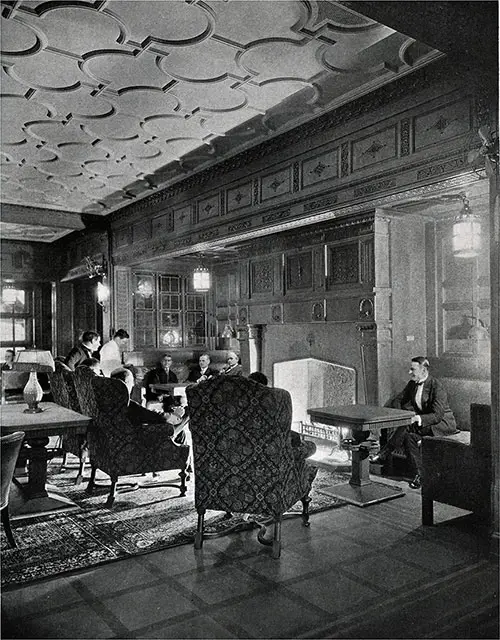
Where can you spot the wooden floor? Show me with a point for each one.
(370, 572)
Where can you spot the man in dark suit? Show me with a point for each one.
(426, 397)
(203, 371)
(91, 341)
(162, 374)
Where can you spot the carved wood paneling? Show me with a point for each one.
(343, 264)
(375, 148)
(262, 276)
(122, 300)
(239, 197)
(442, 124)
(208, 208)
(298, 269)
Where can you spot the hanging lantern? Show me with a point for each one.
(466, 233)
(201, 279)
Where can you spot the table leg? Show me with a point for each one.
(31, 496)
(360, 473)
(37, 468)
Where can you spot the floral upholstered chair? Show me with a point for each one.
(242, 452)
(120, 448)
(62, 386)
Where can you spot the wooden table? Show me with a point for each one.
(172, 388)
(361, 419)
(36, 497)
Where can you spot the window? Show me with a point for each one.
(16, 316)
(167, 312)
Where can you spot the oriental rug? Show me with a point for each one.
(140, 522)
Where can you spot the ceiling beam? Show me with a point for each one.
(38, 217)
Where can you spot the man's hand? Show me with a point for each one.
(416, 420)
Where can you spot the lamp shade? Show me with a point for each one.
(201, 279)
(34, 360)
(466, 233)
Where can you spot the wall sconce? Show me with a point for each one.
(466, 232)
(33, 360)
(201, 279)
(103, 293)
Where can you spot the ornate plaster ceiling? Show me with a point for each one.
(104, 101)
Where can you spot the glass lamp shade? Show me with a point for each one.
(32, 394)
(34, 360)
(201, 279)
(466, 237)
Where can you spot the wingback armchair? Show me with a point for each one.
(459, 473)
(242, 452)
(64, 393)
(120, 448)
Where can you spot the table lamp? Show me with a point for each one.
(33, 360)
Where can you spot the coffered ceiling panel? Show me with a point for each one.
(102, 100)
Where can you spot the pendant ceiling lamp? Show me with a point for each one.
(466, 232)
(201, 279)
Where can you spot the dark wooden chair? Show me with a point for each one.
(10, 446)
(243, 457)
(459, 473)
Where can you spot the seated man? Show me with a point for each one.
(427, 397)
(162, 374)
(138, 414)
(203, 371)
(93, 364)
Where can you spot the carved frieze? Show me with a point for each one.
(373, 187)
(239, 197)
(183, 217)
(275, 184)
(321, 167)
(375, 148)
(442, 124)
(344, 160)
(443, 167)
(208, 208)
(141, 231)
(162, 224)
(276, 215)
(322, 203)
(239, 226)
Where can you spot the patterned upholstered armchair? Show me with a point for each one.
(62, 386)
(242, 452)
(120, 448)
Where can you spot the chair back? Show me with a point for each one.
(59, 386)
(10, 446)
(242, 449)
(82, 378)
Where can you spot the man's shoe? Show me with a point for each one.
(416, 483)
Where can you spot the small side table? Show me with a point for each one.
(361, 419)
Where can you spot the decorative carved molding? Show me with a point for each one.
(404, 143)
(239, 226)
(362, 328)
(344, 160)
(366, 309)
(442, 168)
(318, 311)
(296, 177)
(320, 204)
(373, 187)
(276, 215)
(277, 313)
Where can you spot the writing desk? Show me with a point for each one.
(361, 419)
(36, 498)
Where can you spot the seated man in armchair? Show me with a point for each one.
(426, 397)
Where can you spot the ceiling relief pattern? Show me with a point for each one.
(104, 102)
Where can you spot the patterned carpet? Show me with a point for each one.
(139, 522)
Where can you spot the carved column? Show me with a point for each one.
(250, 337)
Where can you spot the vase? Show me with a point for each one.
(32, 394)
